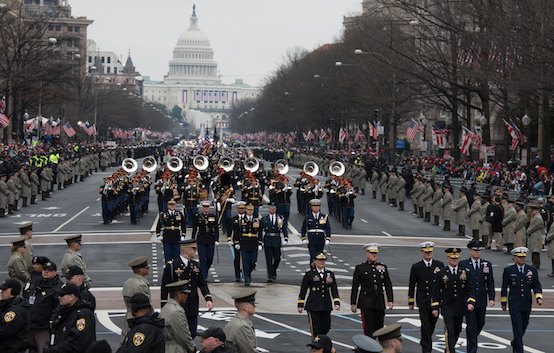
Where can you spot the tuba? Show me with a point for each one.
(200, 162)
(281, 166)
(251, 164)
(311, 168)
(129, 165)
(149, 164)
(175, 164)
(337, 168)
(226, 163)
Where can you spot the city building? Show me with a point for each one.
(110, 61)
(193, 83)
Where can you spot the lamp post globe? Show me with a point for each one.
(526, 120)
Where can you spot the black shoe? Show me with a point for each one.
(247, 284)
(237, 279)
(269, 280)
(551, 274)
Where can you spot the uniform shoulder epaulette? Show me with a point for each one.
(170, 262)
(308, 270)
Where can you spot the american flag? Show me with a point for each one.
(359, 136)
(343, 135)
(476, 141)
(47, 128)
(515, 133)
(4, 120)
(322, 134)
(69, 130)
(374, 130)
(30, 124)
(466, 141)
(414, 127)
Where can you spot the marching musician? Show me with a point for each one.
(252, 194)
(281, 197)
(205, 230)
(316, 229)
(173, 224)
(346, 202)
(106, 192)
(190, 196)
(225, 196)
(249, 242)
(273, 225)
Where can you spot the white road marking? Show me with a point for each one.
(363, 220)
(153, 228)
(104, 319)
(98, 199)
(387, 234)
(70, 220)
(293, 230)
(299, 255)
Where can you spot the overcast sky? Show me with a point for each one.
(249, 37)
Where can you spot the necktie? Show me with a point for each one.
(521, 269)
(454, 271)
(273, 220)
(428, 265)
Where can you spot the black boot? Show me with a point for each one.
(363, 191)
(2, 212)
(33, 199)
(401, 207)
(436, 222)
(24, 201)
(384, 198)
(60, 187)
(552, 274)
(536, 258)
(374, 194)
(44, 196)
(475, 234)
(446, 226)
(420, 212)
(461, 230)
(427, 217)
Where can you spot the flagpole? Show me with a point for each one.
(95, 114)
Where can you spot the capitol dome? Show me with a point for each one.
(193, 57)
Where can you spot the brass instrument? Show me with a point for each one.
(200, 162)
(282, 166)
(337, 168)
(226, 163)
(311, 168)
(129, 165)
(252, 164)
(175, 164)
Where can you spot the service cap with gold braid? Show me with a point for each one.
(453, 253)
(371, 247)
(427, 246)
(321, 256)
(520, 251)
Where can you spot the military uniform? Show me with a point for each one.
(206, 231)
(190, 196)
(519, 228)
(177, 335)
(323, 294)
(316, 231)
(135, 284)
(461, 213)
(14, 321)
(452, 293)
(517, 284)
(446, 205)
(249, 241)
(370, 282)
(74, 258)
(482, 279)
(422, 276)
(240, 330)
(174, 226)
(233, 233)
(535, 235)
(272, 226)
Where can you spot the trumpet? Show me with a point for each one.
(337, 168)
(226, 163)
(311, 168)
(251, 164)
(175, 164)
(200, 162)
(129, 165)
(282, 166)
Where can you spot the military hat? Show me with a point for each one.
(73, 271)
(140, 301)
(534, 204)
(171, 202)
(453, 253)
(520, 204)
(322, 341)
(366, 344)
(249, 206)
(216, 332)
(51, 266)
(321, 256)
(520, 251)
(246, 295)
(315, 202)
(73, 239)
(464, 190)
(13, 284)
(41, 260)
(189, 243)
(476, 245)
(205, 203)
(388, 332)
(139, 262)
(371, 247)
(181, 286)
(19, 242)
(70, 288)
(272, 204)
(427, 246)
(24, 227)
(241, 204)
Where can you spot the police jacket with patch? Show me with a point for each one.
(482, 281)
(145, 335)
(323, 291)
(317, 228)
(372, 280)
(205, 228)
(516, 287)
(14, 322)
(175, 270)
(46, 300)
(452, 292)
(74, 327)
(423, 277)
(172, 224)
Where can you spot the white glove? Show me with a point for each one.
(231, 200)
(182, 238)
(160, 237)
(327, 242)
(237, 246)
(230, 243)
(285, 242)
(218, 206)
(304, 241)
(216, 243)
(259, 247)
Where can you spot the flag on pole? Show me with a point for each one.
(69, 130)
(439, 137)
(414, 127)
(359, 136)
(343, 135)
(466, 141)
(374, 130)
(476, 140)
(4, 120)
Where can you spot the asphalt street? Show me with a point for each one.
(108, 248)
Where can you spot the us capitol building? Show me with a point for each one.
(194, 85)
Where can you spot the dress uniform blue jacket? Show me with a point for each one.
(249, 235)
(317, 230)
(482, 281)
(424, 278)
(272, 231)
(172, 226)
(517, 287)
(373, 278)
(205, 228)
(452, 293)
(321, 290)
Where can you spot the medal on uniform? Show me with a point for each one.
(463, 276)
(445, 278)
(436, 270)
(329, 279)
(529, 274)
(211, 219)
(316, 278)
(380, 268)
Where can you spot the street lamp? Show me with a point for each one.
(526, 120)
(52, 41)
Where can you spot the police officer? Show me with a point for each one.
(365, 344)
(453, 295)
(174, 226)
(373, 278)
(422, 276)
(177, 334)
(273, 225)
(146, 328)
(518, 280)
(390, 338)
(73, 257)
(240, 330)
(249, 242)
(186, 268)
(482, 282)
(14, 318)
(233, 232)
(137, 283)
(316, 229)
(323, 295)
(75, 275)
(73, 325)
(206, 231)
